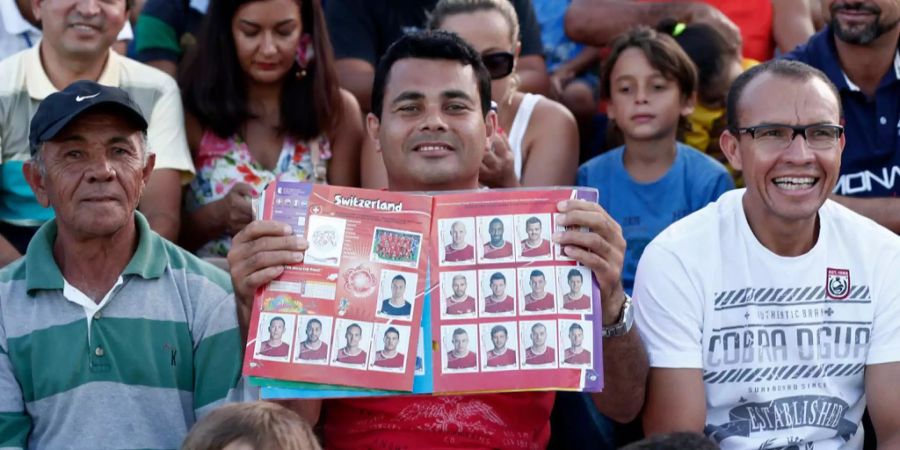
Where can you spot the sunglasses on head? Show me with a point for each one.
(498, 64)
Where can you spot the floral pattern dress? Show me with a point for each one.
(222, 163)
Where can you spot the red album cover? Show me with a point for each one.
(349, 314)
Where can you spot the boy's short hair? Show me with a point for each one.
(259, 424)
(661, 51)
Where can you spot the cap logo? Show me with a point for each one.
(80, 99)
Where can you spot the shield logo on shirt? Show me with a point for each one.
(837, 283)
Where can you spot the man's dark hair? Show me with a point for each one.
(213, 85)
(430, 45)
(399, 278)
(673, 441)
(537, 273)
(531, 220)
(794, 70)
(354, 325)
(575, 326)
(279, 318)
(498, 328)
(460, 331)
(391, 330)
(497, 276)
(312, 321)
(574, 273)
(495, 220)
(661, 51)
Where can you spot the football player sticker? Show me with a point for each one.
(837, 284)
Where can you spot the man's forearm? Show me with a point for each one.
(625, 367)
(597, 22)
(884, 210)
(8, 253)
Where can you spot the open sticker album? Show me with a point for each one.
(426, 294)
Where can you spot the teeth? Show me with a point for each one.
(431, 148)
(791, 183)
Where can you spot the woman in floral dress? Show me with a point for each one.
(262, 101)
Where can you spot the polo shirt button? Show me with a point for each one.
(883, 120)
(99, 351)
(97, 315)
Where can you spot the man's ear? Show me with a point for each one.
(373, 127)
(729, 145)
(148, 168)
(36, 9)
(35, 179)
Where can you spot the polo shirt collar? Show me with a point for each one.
(39, 85)
(13, 21)
(826, 50)
(42, 273)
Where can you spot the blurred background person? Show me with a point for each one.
(271, 107)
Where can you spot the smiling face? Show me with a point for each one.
(645, 105)
(80, 28)
(459, 286)
(785, 186)
(313, 331)
(487, 32)
(861, 22)
(266, 34)
(94, 175)
(432, 133)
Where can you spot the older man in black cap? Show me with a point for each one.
(110, 336)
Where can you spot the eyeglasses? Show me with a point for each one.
(498, 64)
(818, 137)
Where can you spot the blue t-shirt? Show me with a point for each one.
(870, 164)
(645, 209)
(391, 310)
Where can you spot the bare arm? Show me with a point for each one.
(533, 76)
(346, 143)
(597, 22)
(8, 253)
(356, 76)
(552, 156)
(884, 210)
(883, 401)
(675, 401)
(161, 202)
(792, 23)
(625, 371)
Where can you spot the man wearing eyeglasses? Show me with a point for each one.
(859, 52)
(772, 316)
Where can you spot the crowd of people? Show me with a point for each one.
(747, 156)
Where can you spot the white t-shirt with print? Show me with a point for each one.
(782, 342)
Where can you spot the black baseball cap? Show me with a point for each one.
(60, 108)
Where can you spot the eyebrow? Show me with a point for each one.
(407, 96)
(456, 94)
(277, 24)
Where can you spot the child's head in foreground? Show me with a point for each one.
(649, 84)
(251, 426)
